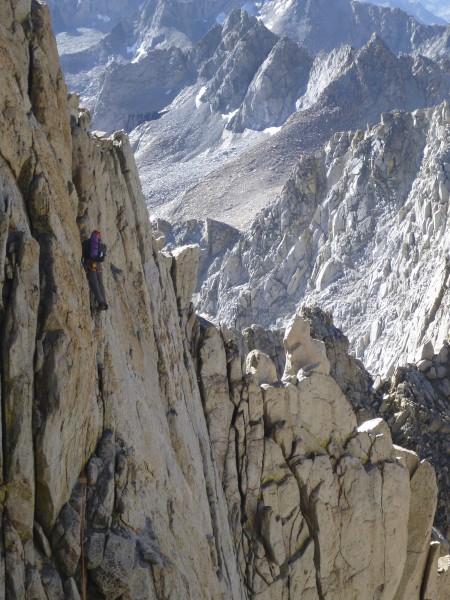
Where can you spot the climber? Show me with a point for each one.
(94, 253)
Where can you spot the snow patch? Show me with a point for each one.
(220, 19)
(230, 115)
(198, 97)
(271, 130)
(140, 53)
(103, 18)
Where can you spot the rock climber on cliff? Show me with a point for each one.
(94, 253)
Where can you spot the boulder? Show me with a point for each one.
(260, 367)
(302, 351)
(113, 574)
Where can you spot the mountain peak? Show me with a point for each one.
(238, 19)
(376, 45)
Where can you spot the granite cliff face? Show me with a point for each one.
(145, 453)
(103, 395)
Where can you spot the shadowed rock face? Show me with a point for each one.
(139, 446)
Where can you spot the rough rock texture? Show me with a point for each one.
(415, 404)
(302, 476)
(352, 231)
(272, 95)
(143, 455)
(214, 238)
(245, 45)
(75, 381)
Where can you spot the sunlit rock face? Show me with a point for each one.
(145, 454)
(98, 409)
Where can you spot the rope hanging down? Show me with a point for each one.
(82, 540)
(83, 502)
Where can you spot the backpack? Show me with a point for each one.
(86, 251)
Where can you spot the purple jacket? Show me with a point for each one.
(95, 243)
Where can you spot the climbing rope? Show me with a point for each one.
(83, 565)
(82, 526)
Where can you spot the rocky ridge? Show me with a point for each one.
(323, 25)
(142, 452)
(229, 143)
(351, 232)
(428, 11)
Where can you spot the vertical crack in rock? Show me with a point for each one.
(313, 529)
(163, 374)
(6, 292)
(236, 414)
(30, 69)
(384, 522)
(210, 482)
(123, 152)
(212, 509)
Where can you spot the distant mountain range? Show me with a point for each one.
(163, 15)
(217, 124)
(429, 12)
